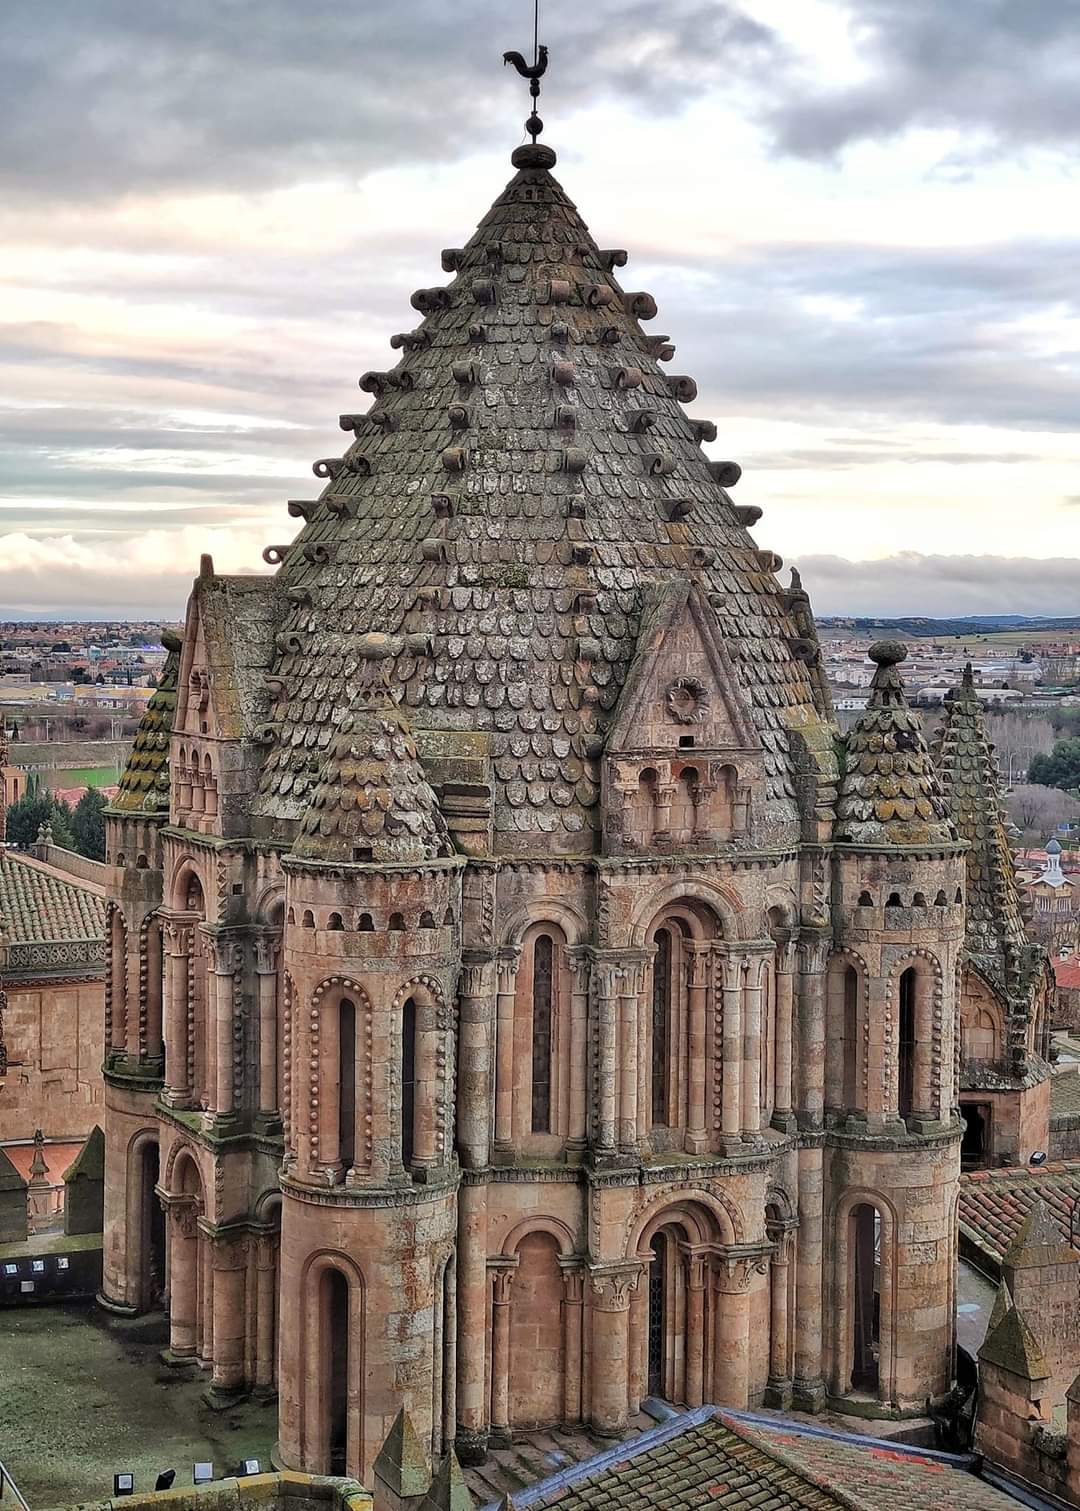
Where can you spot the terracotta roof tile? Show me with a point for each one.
(37, 906)
(994, 1203)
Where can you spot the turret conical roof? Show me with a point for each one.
(968, 769)
(524, 473)
(889, 791)
(144, 784)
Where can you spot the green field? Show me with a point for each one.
(82, 776)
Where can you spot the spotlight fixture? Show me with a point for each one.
(165, 1479)
(1038, 1158)
(123, 1484)
(250, 1466)
(202, 1474)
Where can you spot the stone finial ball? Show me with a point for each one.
(534, 155)
(888, 652)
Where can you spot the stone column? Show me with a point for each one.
(425, 1112)
(731, 1368)
(504, 1052)
(697, 992)
(177, 1091)
(183, 1280)
(578, 962)
(637, 1330)
(472, 1284)
(265, 1304)
(730, 1058)
(610, 1289)
(225, 957)
(474, 1059)
(813, 954)
(604, 984)
(785, 996)
(751, 1045)
(778, 1390)
(266, 964)
(695, 1261)
(808, 1386)
(229, 1258)
(573, 1290)
(502, 1272)
(628, 1059)
(206, 1296)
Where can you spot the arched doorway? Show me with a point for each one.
(189, 1276)
(145, 1238)
(331, 1373)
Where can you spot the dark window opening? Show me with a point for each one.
(335, 923)
(959, 896)
(337, 1306)
(906, 1093)
(397, 923)
(661, 1026)
(362, 853)
(941, 901)
(893, 900)
(918, 901)
(657, 1321)
(974, 1147)
(365, 925)
(408, 1080)
(542, 991)
(347, 1082)
(686, 742)
(308, 921)
(448, 919)
(865, 900)
(427, 920)
(851, 1037)
(866, 1318)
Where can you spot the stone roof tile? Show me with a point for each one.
(889, 792)
(465, 498)
(144, 784)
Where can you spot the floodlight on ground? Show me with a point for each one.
(202, 1474)
(123, 1484)
(250, 1466)
(165, 1479)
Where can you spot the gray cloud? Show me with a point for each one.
(135, 95)
(911, 583)
(1005, 72)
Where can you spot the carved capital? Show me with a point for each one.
(611, 1286)
(736, 1267)
(502, 1272)
(507, 959)
(266, 954)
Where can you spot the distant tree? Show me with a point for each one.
(88, 824)
(1061, 768)
(1037, 811)
(26, 816)
(1018, 739)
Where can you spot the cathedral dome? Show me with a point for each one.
(524, 477)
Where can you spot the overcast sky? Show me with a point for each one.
(859, 218)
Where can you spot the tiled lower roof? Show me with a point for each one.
(724, 1461)
(993, 1203)
(37, 905)
(1065, 1094)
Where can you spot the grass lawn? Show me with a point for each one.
(82, 776)
(84, 1395)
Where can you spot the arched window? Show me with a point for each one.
(408, 1082)
(893, 900)
(308, 920)
(335, 923)
(335, 1300)
(543, 984)
(851, 1038)
(427, 920)
(365, 924)
(865, 900)
(918, 901)
(347, 1083)
(154, 969)
(661, 1027)
(118, 979)
(941, 901)
(906, 1044)
(397, 923)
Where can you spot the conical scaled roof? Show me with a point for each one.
(889, 791)
(372, 801)
(968, 770)
(144, 784)
(523, 473)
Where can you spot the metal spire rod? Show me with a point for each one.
(534, 72)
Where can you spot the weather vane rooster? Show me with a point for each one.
(534, 72)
